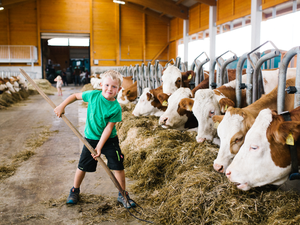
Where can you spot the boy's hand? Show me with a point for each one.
(59, 110)
(97, 155)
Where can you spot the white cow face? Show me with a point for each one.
(171, 117)
(229, 127)
(253, 165)
(206, 105)
(144, 106)
(171, 79)
(122, 99)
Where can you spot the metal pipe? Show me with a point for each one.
(282, 78)
(212, 83)
(238, 85)
(199, 71)
(224, 75)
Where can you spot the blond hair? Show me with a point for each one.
(114, 75)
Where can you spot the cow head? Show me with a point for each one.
(205, 107)
(264, 157)
(172, 117)
(147, 105)
(172, 79)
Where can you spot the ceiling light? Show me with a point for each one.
(1, 8)
(119, 2)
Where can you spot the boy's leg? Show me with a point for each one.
(74, 192)
(120, 176)
(79, 175)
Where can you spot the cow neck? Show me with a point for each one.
(293, 150)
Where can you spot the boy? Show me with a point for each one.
(102, 114)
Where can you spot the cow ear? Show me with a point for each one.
(187, 104)
(217, 118)
(149, 96)
(190, 74)
(127, 93)
(287, 131)
(225, 103)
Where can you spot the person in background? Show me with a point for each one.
(77, 73)
(64, 77)
(59, 84)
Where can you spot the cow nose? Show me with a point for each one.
(201, 140)
(218, 168)
(228, 173)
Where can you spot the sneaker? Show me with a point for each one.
(74, 196)
(122, 200)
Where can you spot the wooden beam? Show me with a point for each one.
(147, 11)
(208, 2)
(38, 32)
(11, 2)
(179, 1)
(117, 32)
(7, 4)
(158, 54)
(91, 35)
(164, 6)
(8, 26)
(144, 38)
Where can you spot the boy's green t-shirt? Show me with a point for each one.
(100, 111)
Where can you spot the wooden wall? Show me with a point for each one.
(199, 18)
(270, 3)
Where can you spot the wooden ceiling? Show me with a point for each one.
(163, 9)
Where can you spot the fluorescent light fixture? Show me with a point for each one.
(119, 2)
(1, 8)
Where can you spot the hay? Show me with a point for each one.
(44, 84)
(176, 183)
(87, 87)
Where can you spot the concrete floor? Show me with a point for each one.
(49, 173)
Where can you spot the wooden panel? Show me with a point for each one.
(228, 10)
(199, 18)
(173, 50)
(131, 33)
(23, 28)
(176, 29)
(104, 36)
(65, 16)
(270, 3)
(156, 38)
(3, 28)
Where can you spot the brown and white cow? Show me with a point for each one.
(174, 117)
(128, 94)
(205, 83)
(149, 104)
(239, 120)
(264, 158)
(209, 103)
(173, 79)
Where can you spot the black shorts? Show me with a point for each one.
(111, 150)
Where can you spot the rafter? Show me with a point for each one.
(208, 2)
(11, 2)
(163, 6)
(147, 11)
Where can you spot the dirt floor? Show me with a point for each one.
(36, 189)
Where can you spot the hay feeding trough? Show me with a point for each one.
(177, 184)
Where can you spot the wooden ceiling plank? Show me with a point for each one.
(147, 11)
(164, 6)
(208, 2)
(10, 2)
(179, 1)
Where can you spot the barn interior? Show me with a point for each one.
(168, 173)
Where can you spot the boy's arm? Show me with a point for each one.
(105, 135)
(72, 98)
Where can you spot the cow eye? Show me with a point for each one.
(211, 113)
(253, 147)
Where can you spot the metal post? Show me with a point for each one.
(239, 85)
(199, 65)
(282, 78)
(223, 75)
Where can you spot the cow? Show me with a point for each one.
(128, 94)
(205, 83)
(173, 117)
(173, 79)
(264, 158)
(239, 120)
(148, 103)
(214, 102)
(3, 87)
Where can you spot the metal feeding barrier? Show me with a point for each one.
(282, 79)
(198, 66)
(222, 77)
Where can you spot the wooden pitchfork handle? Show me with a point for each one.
(76, 132)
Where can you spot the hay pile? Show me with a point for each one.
(176, 183)
(44, 84)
